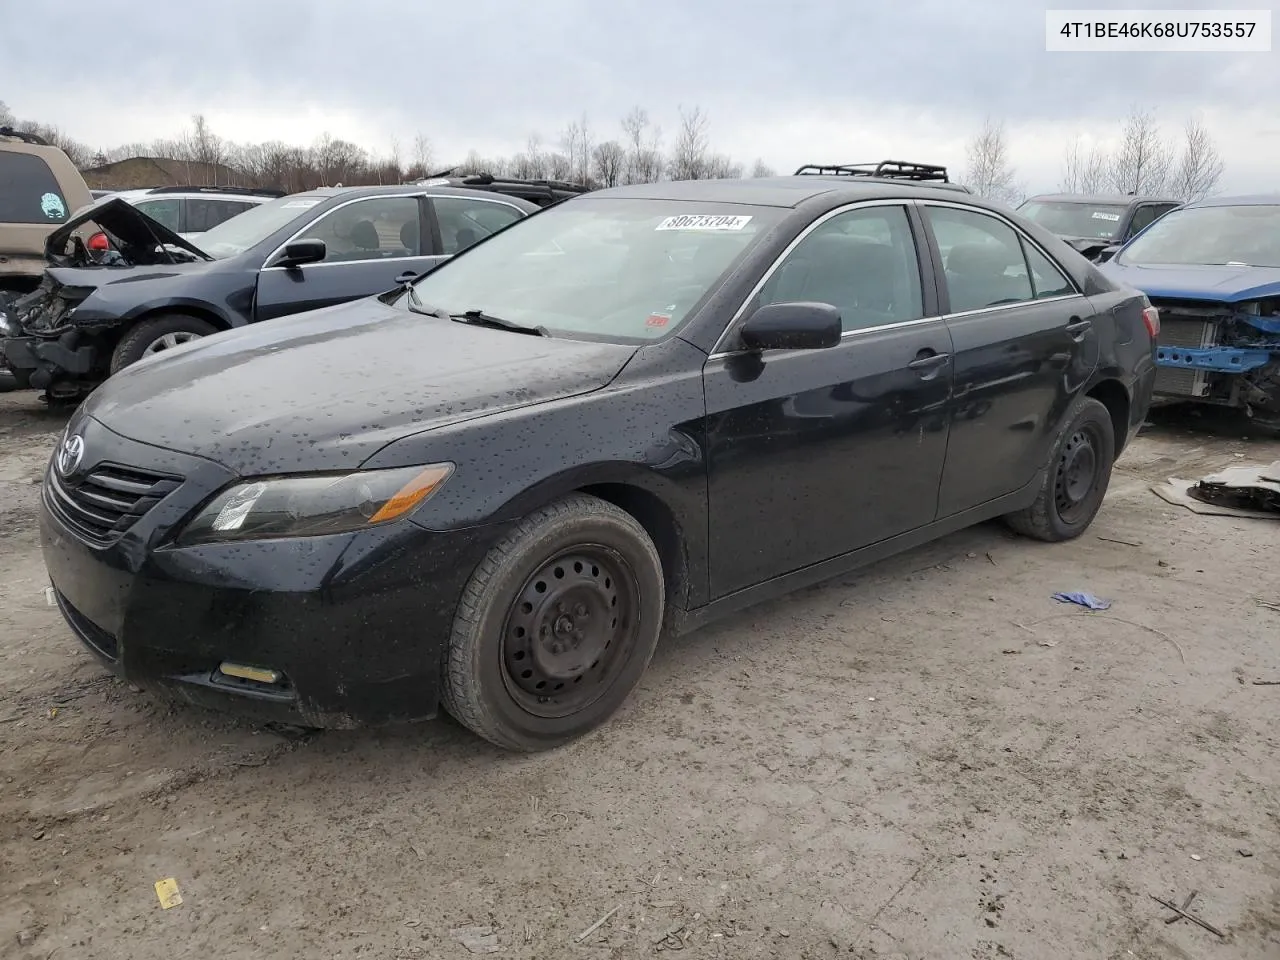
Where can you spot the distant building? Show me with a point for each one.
(138, 172)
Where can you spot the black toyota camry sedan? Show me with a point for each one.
(632, 412)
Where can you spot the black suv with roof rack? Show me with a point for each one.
(542, 192)
(930, 174)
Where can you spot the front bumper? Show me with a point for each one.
(39, 361)
(355, 623)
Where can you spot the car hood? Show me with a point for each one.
(326, 390)
(134, 234)
(1222, 284)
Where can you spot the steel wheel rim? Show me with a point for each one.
(168, 341)
(1077, 474)
(570, 631)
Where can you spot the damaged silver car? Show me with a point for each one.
(98, 311)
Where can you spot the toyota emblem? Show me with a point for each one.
(70, 454)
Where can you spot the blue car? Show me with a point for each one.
(1212, 269)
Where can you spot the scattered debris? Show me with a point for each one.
(1047, 643)
(1182, 913)
(1268, 604)
(49, 597)
(1266, 683)
(1243, 488)
(597, 925)
(1177, 492)
(167, 893)
(1010, 650)
(1186, 905)
(1127, 543)
(1245, 853)
(1196, 857)
(1106, 616)
(476, 938)
(992, 559)
(1084, 600)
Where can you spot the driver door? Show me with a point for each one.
(371, 243)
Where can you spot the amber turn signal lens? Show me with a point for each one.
(413, 493)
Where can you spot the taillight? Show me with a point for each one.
(99, 242)
(1151, 317)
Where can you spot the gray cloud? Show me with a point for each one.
(489, 71)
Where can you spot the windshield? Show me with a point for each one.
(235, 236)
(1067, 218)
(609, 269)
(1245, 235)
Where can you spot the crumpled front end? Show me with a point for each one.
(41, 341)
(1221, 353)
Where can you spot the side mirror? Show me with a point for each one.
(792, 326)
(1106, 253)
(301, 251)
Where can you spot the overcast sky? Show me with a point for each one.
(809, 82)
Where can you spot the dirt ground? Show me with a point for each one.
(932, 759)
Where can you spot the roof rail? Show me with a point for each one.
(32, 138)
(884, 170)
(250, 191)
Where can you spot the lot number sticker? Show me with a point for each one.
(1114, 217)
(702, 221)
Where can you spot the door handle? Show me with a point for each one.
(405, 277)
(1077, 328)
(927, 360)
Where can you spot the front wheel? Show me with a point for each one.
(555, 627)
(156, 334)
(1076, 477)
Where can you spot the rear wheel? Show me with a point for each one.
(156, 334)
(1076, 478)
(555, 627)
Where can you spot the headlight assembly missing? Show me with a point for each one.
(314, 505)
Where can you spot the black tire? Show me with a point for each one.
(135, 344)
(555, 627)
(1075, 479)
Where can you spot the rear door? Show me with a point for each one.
(372, 244)
(1024, 346)
(815, 453)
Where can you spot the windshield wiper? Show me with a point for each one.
(417, 306)
(482, 319)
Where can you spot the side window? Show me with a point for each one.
(30, 193)
(372, 229)
(464, 221)
(166, 212)
(1046, 279)
(981, 258)
(1142, 217)
(204, 213)
(862, 262)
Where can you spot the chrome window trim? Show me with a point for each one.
(716, 352)
(1010, 306)
(415, 195)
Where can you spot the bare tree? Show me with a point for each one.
(689, 156)
(577, 149)
(608, 163)
(989, 172)
(761, 169)
(422, 158)
(643, 145)
(1199, 167)
(721, 167)
(205, 147)
(7, 119)
(1142, 162)
(1083, 172)
(558, 166)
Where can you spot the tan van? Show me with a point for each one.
(40, 188)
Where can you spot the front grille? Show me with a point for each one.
(107, 500)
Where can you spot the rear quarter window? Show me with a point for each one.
(29, 191)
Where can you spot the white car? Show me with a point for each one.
(190, 211)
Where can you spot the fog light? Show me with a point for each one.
(256, 674)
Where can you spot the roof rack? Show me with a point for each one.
(884, 170)
(250, 191)
(549, 188)
(25, 137)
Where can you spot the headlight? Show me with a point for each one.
(312, 505)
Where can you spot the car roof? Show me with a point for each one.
(781, 191)
(1124, 199)
(399, 189)
(1247, 200)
